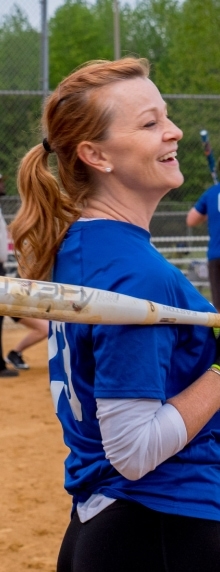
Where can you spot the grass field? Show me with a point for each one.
(34, 506)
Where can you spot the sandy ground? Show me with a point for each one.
(34, 508)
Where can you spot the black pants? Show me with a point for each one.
(127, 537)
(214, 278)
(2, 361)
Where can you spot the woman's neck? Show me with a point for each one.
(105, 207)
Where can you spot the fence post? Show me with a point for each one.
(117, 47)
(44, 49)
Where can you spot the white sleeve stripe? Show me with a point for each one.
(139, 434)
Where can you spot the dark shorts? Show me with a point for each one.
(214, 278)
(127, 537)
(2, 270)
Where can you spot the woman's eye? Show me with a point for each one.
(150, 124)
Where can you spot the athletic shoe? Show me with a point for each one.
(15, 358)
(8, 372)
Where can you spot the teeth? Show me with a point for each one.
(171, 155)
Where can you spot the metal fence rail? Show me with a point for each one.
(189, 259)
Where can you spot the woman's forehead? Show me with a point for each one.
(136, 96)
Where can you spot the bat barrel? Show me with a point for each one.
(80, 304)
(68, 303)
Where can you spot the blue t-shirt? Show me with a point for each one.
(209, 204)
(98, 361)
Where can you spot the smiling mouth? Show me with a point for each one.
(168, 157)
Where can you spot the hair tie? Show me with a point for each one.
(46, 146)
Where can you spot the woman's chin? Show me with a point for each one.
(179, 180)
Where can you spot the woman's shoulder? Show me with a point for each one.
(108, 227)
(115, 256)
(102, 238)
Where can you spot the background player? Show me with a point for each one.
(208, 208)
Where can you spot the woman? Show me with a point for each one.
(138, 405)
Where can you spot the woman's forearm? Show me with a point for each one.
(198, 403)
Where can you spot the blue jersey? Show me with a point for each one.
(209, 204)
(98, 361)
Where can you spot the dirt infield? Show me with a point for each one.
(34, 506)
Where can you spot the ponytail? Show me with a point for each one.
(44, 217)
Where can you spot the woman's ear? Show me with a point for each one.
(90, 153)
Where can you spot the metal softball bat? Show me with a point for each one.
(84, 305)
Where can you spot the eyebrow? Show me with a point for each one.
(150, 109)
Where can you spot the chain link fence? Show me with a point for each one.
(24, 83)
(23, 52)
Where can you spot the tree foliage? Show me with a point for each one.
(74, 38)
(190, 63)
(19, 53)
(86, 31)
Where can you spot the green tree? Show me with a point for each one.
(19, 53)
(191, 63)
(79, 32)
(19, 70)
(148, 28)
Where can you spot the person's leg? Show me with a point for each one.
(38, 332)
(214, 279)
(4, 371)
(124, 537)
(190, 544)
(2, 361)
